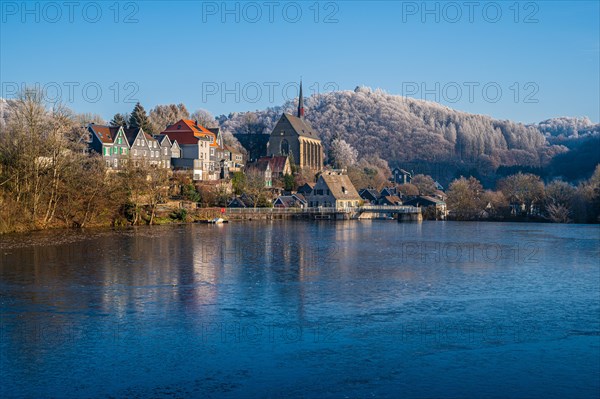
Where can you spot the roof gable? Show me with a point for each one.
(369, 193)
(300, 126)
(186, 131)
(340, 186)
(133, 134)
(277, 163)
(161, 138)
(106, 134)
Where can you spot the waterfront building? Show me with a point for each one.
(290, 201)
(369, 195)
(333, 190)
(200, 151)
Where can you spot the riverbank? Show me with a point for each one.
(189, 213)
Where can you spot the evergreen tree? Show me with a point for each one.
(139, 119)
(119, 120)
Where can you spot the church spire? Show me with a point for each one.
(300, 103)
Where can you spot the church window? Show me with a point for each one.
(285, 147)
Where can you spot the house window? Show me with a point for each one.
(116, 162)
(212, 151)
(135, 152)
(119, 140)
(106, 151)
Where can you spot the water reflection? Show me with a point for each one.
(195, 307)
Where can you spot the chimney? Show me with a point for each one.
(196, 122)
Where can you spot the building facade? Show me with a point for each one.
(118, 146)
(333, 190)
(293, 136)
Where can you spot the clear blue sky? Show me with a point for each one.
(543, 56)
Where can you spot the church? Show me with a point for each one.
(293, 136)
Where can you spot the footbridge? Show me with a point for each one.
(400, 212)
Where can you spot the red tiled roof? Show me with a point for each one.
(106, 134)
(187, 131)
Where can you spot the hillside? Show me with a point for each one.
(400, 130)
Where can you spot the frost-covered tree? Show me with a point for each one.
(341, 154)
(400, 129)
(85, 118)
(204, 118)
(163, 115)
(568, 127)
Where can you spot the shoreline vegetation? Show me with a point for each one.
(194, 219)
(48, 179)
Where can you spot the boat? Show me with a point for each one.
(217, 221)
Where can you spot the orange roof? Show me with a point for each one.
(198, 131)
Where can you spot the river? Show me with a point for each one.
(302, 309)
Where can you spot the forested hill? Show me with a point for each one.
(400, 129)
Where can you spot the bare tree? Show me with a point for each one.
(408, 190)
(254, 186)
(156, 187)
(465, 198)
(132, 177)
(425, 184)
(559, 201)
(524, 189)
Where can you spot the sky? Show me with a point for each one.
(525, 61)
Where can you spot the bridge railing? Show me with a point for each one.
(389, 209)
(317, 210)
(276, 210)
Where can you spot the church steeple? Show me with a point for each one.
(300, 103)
